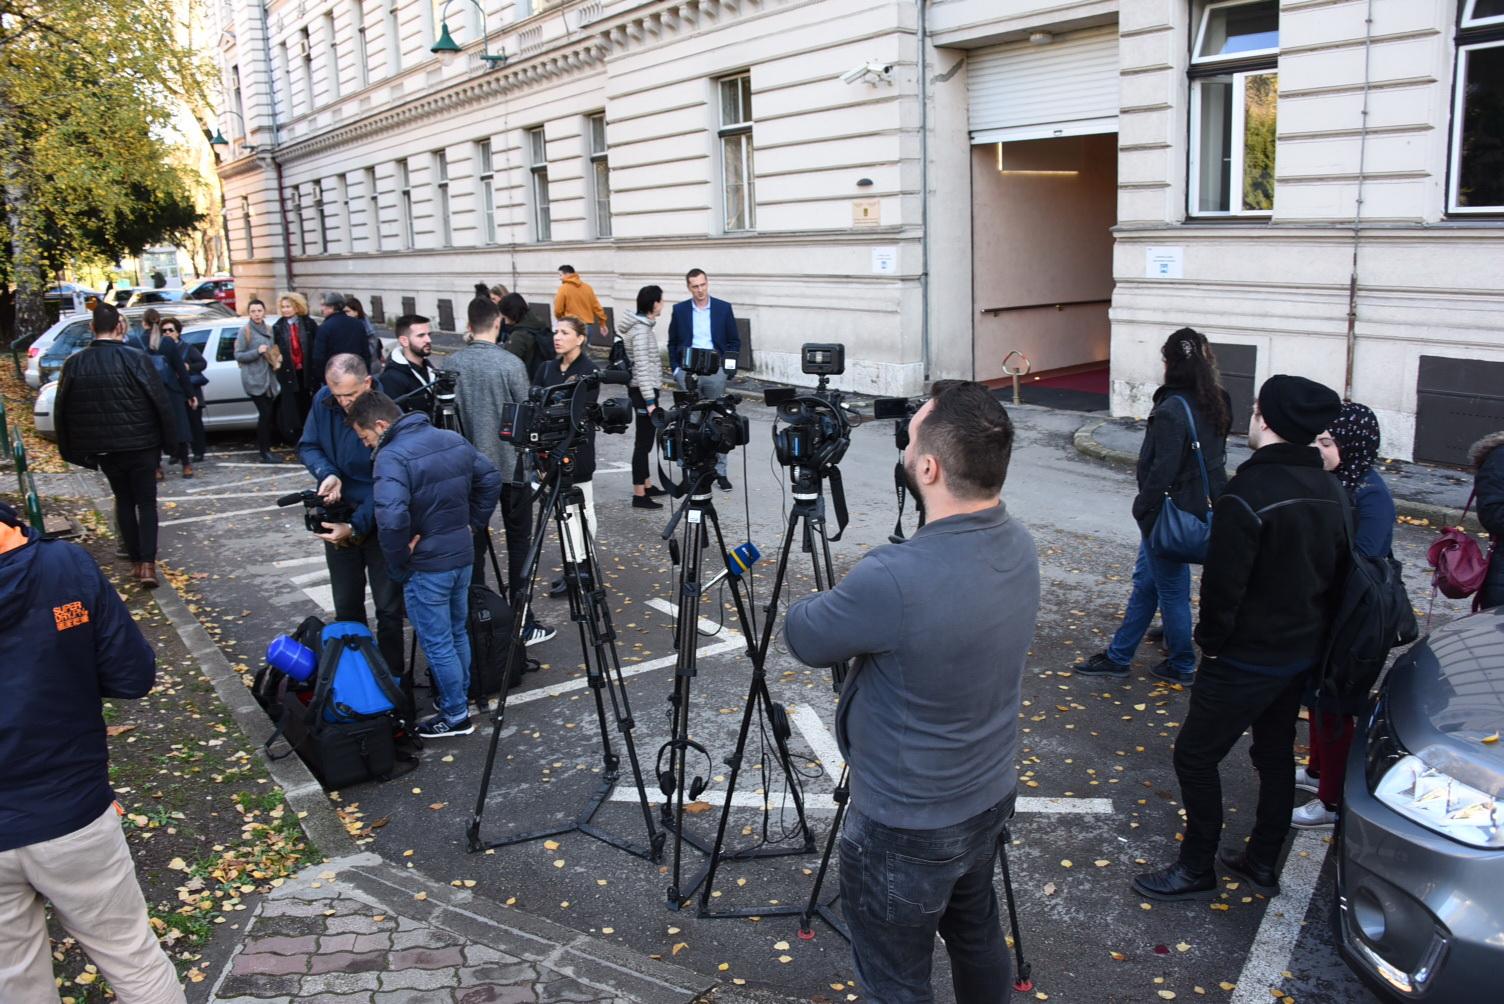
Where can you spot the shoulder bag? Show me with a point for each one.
(1458, 560)
(1178, 535)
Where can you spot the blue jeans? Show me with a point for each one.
(1166, 586)
(899, 887)
(438, 604)
(711, 387)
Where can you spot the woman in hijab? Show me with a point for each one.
(1348, 449)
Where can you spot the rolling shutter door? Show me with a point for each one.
(1022, 91)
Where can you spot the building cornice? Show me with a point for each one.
(584, 52)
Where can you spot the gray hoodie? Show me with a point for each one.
(642, 349)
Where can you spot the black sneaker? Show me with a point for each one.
(1164, 671)
(439, 727)
(537, 634)
(723, 483)
(1100, 665)
(645, 502)
(653, 491)
(558, 588)
(270, 458)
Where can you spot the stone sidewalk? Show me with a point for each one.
(357, 930)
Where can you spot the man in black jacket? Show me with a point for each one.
(66, 641)
(407, 371)
(112, 415)
(1273, 576)
(339, 333)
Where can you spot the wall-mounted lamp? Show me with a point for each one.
(446, 48)
(218, 139)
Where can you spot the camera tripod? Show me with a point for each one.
(589, 609)
(806, 521)
(699, 516)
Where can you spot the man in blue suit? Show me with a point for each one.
(703, 322)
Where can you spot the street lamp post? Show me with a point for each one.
(446, 48)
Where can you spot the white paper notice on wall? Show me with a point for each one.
(1164, 263)
(884, 261)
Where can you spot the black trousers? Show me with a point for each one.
(266, 421)
(1224, 703)
(642, 447)
(133, 481)
(196, 437)
(517, 521)
(350, 568)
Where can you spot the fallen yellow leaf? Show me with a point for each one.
(679, 946)
(1490, 740)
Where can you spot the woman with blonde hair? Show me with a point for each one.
(294, 335)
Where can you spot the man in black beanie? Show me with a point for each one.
(1273, 575)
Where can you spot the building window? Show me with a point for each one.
(1234, 104)
(737, 193)
(405, 204)
(284, 61)
(242, 127)
(245, 223)
(393, 40)
(487, 177)
(441, 184)
(1477, 181)
(332, 66)
(342, 215)
(600, 176)
(537, 165)
(362, 44)
(321, 213)
(373, 211)
(297, 220)
(305, 54)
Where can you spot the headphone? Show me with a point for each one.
(667, 782)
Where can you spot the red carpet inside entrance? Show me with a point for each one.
(1093, 381)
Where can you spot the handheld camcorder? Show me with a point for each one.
(816, 432)
(316, 512)
(695, 430)
(553, 420)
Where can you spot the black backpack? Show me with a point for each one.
(490, 627)
(1373, 616)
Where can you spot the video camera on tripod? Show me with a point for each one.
(553, 420)
(317, 512)
(816, 432)
(696, 429)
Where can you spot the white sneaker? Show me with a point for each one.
(1305, 781)
(1313, 816)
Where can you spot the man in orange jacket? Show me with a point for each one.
(575, 298)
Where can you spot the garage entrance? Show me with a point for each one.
(1043, 119)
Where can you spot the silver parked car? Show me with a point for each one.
(1420, 865)
(45, 353)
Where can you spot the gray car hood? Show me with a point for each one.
(1446, 695)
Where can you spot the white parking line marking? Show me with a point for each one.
(251, 481)
(1284, 919)
(815, 801)
(218, 515)
(310, 578)
(826, 750)
(209, 498)
(706, 625)
(635, 669)
(294, 562)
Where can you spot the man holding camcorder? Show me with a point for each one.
(334, 454)
(928, 715)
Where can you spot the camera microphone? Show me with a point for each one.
(293, 499)
(737, 563)
(615, 376)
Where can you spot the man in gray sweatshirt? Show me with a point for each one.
(939, 627)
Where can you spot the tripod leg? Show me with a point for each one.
(686, 627)
(1022, 980)
(842, 796)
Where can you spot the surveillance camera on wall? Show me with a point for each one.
(871, 72)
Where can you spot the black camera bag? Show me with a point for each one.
(490, 628)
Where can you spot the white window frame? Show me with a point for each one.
(485, 160)
(1469, 20)
(362, 44)
(736, 130)
(600, 193)
(1226, 57)
(405, 204)
(301, 243)
(342, 197)
(331, 50)
(373, 209)
(1454, 179)
(393, 32)
(535, 140)
(321, 213)
(441, 198)
(305, 57)
(245, 221)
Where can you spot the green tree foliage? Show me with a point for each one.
(88, 94)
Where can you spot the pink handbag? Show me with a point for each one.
(1459, 561)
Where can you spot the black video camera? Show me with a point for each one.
(902, 410)
(695, 430)
(552, 420)
(816, 432)
(317, 513)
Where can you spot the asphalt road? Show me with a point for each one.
(1099, 800)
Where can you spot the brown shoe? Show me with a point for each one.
(148, 575)
(136, 572)
(161, 475)
(187, 470)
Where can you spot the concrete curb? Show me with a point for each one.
(1439, 516)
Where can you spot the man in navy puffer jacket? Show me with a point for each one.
(66, 642)
(432, 488)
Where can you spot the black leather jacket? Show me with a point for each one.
(110, 400)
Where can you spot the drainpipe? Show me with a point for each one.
(271, 90)
(924, 192)
(1352, 282)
